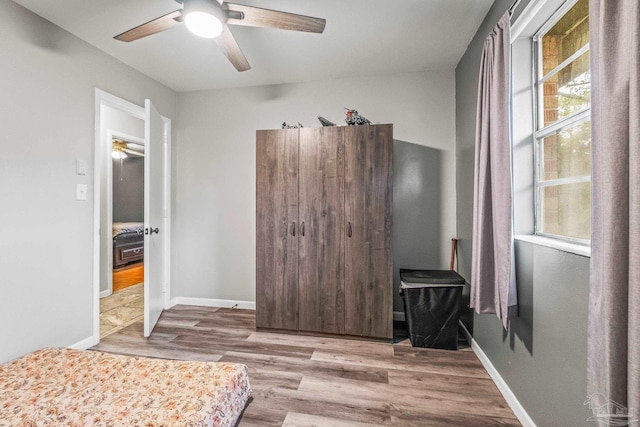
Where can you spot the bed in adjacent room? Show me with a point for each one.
(128, 243)
(52, 387)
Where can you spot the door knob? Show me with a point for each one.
(293, 228)
(302, 229)
(151, 230)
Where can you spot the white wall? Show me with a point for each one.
(214, 170)
(47, 82)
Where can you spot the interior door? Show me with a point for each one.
(155, 210)
(277, 229)
(321, 230)
(368, 205)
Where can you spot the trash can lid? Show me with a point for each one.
(429, 278)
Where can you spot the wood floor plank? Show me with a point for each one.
(354, 410)
(294, 419)
(127, 276)
(304, 380)
(266, 381)
(324, 343)
(418, 354)
(404, 416)
(342, 390)
(118, 348)
(440, 365)
(224, 345)
(307, 367)
(442, 382)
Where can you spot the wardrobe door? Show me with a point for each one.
(276, 229)
(368, 208)
(321, 230)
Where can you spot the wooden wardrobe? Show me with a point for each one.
(323, 230)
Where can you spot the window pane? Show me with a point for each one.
(567, 210)
(568, 91)
(567, 153)
(566, 37)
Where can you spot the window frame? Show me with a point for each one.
(540, 131)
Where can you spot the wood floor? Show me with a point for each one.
(128, 276)
(311, 381)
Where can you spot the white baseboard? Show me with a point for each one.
(210, 302)
(85, 343)
(105, 293)
(398, 315)
(502, 385)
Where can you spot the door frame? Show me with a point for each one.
(102, 148)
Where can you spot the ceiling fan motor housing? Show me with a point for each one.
(211, 7)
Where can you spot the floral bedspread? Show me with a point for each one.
(58, 387)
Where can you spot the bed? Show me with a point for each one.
(128, 243)
(53, 387)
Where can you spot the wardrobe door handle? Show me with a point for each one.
(293, 228)
(349, 230)
(302, 229)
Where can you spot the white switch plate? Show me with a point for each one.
(81, 167)
(81, 191)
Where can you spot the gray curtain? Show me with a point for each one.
(614, 301)
(493, 287)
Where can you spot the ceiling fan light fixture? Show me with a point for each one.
(117, 150)
(204, 18)
(203, 24)
(118, 155)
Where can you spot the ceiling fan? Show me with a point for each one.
(120, 149)
(209, 19)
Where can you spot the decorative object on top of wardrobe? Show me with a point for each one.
(325, 122)
(354, 118)
(286, 126)
(209, 19)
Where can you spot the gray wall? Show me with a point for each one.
(214, 195)
(128, 189)
(47, 82)
(417, 240)
(542, 357)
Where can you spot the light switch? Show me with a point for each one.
(81, 191)
(81, 167)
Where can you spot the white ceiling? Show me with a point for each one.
(362, 37)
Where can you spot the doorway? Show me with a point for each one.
(133, 132)
(122, 304)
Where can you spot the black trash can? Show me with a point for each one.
(431, 306)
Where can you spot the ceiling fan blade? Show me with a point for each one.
(135, 145)
(135, 153)
(257, 17)
(232, 51)
(154, 26)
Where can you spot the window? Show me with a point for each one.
(562, 131)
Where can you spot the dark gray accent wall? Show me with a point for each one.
(416, 210)
(128, 189)
(542, 357)
(466, 99)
